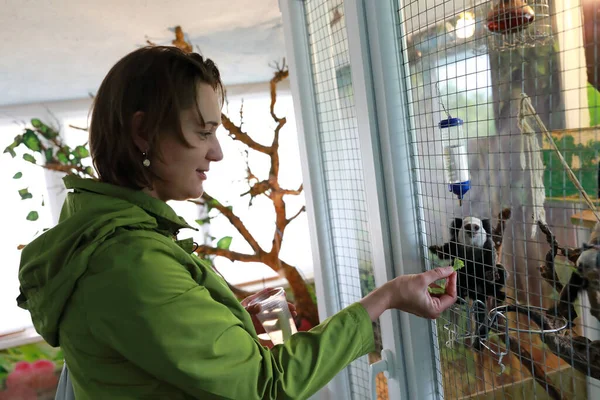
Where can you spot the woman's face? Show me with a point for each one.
(183, 169)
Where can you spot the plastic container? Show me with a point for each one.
(274, 315)
(456, 162)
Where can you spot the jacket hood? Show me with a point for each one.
(93, 211)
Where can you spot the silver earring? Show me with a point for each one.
(146, 161)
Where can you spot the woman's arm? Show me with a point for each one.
(144, 304)
(409, 293)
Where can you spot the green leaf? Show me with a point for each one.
(89, 171)
(81, 152)
(574, 269)
(44, 129)
(203, 221)
(11, 149)
(29, 157)
(24, 193)
(50, 133)
(18, 175)
(31, 140)
(32, 216)
(458, 264)
(436, 290)
(49, 155)
(224, 243)
(62, 157)
(212, 204)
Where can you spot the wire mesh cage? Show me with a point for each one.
(344, 180)
(510, 190)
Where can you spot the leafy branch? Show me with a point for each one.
(45, 140)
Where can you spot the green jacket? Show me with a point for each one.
(139, 316)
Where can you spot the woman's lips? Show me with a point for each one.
(201, 174)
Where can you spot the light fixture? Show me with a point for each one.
(465, 25)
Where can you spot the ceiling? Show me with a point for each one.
(61, 49)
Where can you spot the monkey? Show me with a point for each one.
(586, 277)
(471, 242)
(482, 279)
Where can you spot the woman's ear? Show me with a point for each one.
(140, 138)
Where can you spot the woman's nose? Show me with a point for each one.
(215, 153)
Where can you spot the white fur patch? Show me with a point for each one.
(472, 238)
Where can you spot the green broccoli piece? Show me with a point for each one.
(436, 290)
(458, 264)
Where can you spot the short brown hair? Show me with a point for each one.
(160, 81)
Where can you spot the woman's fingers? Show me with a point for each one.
(437, 274)
(292, 308)
(451, 285)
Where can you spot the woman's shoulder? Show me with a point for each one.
(137, 265)
(125, 246)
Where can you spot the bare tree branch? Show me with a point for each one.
(78, 128)
(236, 133)
(281, 73)
(535, 369)
(258, 188)
(275, 153)
(580, 352)
(292, 192)
(231, 255)
(296, 216)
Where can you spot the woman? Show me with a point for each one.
(136, 313)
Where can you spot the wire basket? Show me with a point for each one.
(493, 323)
(537, 33)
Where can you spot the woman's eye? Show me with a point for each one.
(205, 133)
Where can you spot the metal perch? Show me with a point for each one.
(579, 351)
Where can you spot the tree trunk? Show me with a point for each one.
(307, 309)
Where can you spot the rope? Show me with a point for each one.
(529, 146)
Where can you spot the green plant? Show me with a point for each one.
(29, 353)
(366, 277)
(555, 180)
(41, 144)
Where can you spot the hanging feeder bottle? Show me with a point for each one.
(456, 164)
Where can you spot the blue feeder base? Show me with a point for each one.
(460, 189)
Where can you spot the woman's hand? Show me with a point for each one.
(409, 293)
(254, 309)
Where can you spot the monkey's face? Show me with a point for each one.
(472, 232)
(588, 265)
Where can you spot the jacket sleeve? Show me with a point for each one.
(148, 308)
